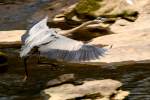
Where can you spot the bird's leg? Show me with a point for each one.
(34, 50)
(25, 67)
(38, 54)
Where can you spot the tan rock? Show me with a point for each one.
(11, 38)
(140, 25)
(105, 8)
(126, 48)
(130, 45)
(105, 88)
(120, 95)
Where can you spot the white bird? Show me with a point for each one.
(57, 47)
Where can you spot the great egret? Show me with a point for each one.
(52, 45)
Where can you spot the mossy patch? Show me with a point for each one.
(87, 6)
(2, 54)
(3, 58)
(90, 9)
(3, 62)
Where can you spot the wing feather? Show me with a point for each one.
(66, 49)
(37, 35)
(58, 47)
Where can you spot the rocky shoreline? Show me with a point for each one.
(126, 35)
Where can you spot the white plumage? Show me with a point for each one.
(56, 46)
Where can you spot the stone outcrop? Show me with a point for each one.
(126, 48)
(11, 38)
(85, 9)
(65, 78)
(97, 90)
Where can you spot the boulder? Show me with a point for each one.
(97, 90)
(126, 48)
(65, 78)
(11, 38)
(85, 9)
(131, 44)
(141, 25)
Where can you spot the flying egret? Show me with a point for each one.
(52, 45)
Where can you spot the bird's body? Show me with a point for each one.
(57, 47)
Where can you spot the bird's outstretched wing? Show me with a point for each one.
(58, 47)
(39, 34)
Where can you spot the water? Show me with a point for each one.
(135, 78)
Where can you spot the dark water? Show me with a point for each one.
(135, 78)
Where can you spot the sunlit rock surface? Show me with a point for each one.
(126, 48)
(97, 89)
(65, 78)
(11, 38)
(85, 9)
(131, 44)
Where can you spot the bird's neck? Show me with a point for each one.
(65, 32)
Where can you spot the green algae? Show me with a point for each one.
(87, 6)
(86, 9)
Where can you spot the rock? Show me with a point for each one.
(11, 38)
(141, 24)
(104, 8)
(126, 48)
(65, 78)
(90, 89)
(59, 18)
(120, 95)
(131, 44)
